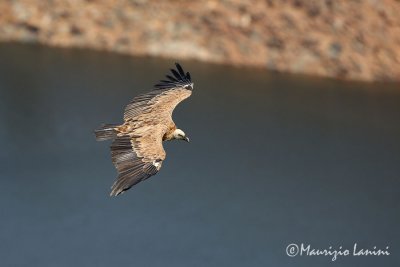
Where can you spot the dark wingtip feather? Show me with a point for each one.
(179, 79)
(181, 72)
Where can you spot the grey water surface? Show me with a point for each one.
(274, 159)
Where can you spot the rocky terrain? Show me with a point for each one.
(347, 39)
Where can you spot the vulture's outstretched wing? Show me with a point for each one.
(137, 158)
(163, 99)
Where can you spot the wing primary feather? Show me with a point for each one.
(172, 78)
(177, 79)
(181, 72)
(176, 74)
(166, 81)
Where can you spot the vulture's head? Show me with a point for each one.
(180, 135)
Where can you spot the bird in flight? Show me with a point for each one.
(136, 150)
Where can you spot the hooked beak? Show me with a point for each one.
(186, 139)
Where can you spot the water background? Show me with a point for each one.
(274, 159)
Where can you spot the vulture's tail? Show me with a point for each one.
(106, 131)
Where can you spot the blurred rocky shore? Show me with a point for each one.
(346, 39)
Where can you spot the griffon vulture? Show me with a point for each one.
(137, 151)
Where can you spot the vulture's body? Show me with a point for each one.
(137, 151)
